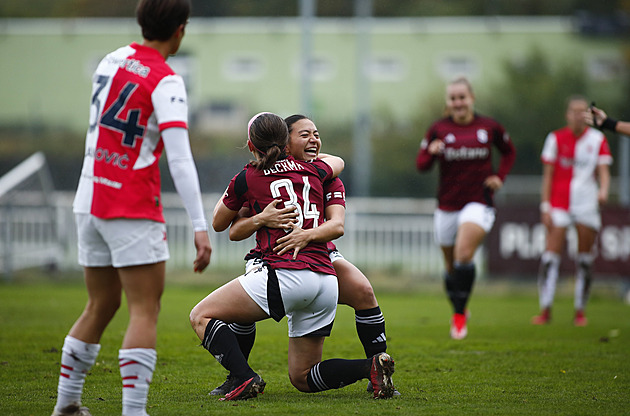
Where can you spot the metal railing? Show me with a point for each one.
(385, 234)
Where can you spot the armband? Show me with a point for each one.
(545, 207)
(609, 124)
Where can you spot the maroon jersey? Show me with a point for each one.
(298, 184)
(467, 159)
(335, 193)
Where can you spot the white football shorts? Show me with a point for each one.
(120, 242)
(335, 255)
(252, 263)
(307, 298)
(446, 223)
(563, 218)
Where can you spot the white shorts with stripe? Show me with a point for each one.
(120, 242)
(307, 298)
(446, 223)
(563, 218)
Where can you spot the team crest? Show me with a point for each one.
(482, 136)
(450, 138)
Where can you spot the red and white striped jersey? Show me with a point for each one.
(135, 96)
(575, 161)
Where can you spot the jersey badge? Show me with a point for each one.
(482, 136)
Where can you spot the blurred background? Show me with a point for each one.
(370, 73)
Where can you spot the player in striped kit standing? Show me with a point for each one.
(462, 144)
(138, 109)
(574, 158)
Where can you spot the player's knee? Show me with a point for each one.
(465, 255)
(300, 383)
(364, 297)
(195, 318)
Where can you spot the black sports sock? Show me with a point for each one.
(245, 335)
(371, 330)
(337, 373)
(459, 285)
(221, 342)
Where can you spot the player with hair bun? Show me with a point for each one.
(302, 287)
(355, 289)
(461, 143)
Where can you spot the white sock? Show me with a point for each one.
(77, 357)
(583, 265)
(136, 370)
(550, 268)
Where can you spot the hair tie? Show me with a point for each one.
(249, 125)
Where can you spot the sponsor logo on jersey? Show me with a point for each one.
(465, 153)
(110, 158)
(566, 162)
(106, 182)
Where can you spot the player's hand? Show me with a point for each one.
(204, 250)
(436, 147)
(602, 197)
(493, 182)
(595, 117)
(296, 240)
(274, 217)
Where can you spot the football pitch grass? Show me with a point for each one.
(506, 366)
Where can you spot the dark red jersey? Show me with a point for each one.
(298, 184)
(335, 193)
(467, 159)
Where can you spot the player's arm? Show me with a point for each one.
(299, 238)
(245, 225)
(598, 118)
(186, 181)
(603, 173)
(545, 194)
(429, 150)
(222, 216)
(335, 162)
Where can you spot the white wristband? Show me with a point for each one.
(545, 207)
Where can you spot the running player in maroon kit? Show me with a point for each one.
(355, 289)
(138, 109)
(462, 145)
(303, 288)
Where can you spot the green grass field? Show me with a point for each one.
(505, 367)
